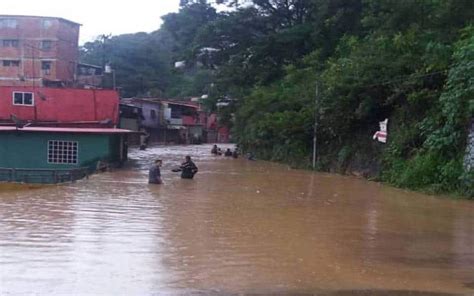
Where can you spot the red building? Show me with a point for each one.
(59, 106)
(216, 133)
(38, 51)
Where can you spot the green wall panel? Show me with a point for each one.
(29, 150)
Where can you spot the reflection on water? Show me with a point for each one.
(238, 227)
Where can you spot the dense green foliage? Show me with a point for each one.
(410, 61)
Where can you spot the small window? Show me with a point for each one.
(8, 23)
(23, 98)
(153, 114)
(176, 113)
(10, 43)
(63, 152)
(47, 24)
(11, 63)
(46, 45)
(46, 67)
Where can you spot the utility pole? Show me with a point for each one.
(316, 111)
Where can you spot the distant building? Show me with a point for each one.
(183, 124)
(131, 118)
(43, 51)
(89, 76)
(152, 120)
(169, 121)
(216, 133)
(40, 51)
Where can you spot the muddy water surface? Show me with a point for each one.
(239, 227)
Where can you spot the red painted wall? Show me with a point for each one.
(223, 135)
(61, 104)
(212, 121)
(189, 120)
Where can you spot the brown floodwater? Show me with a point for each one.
(240, 227)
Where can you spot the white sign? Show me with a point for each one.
(381, 135)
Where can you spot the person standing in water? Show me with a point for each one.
(235, 153)
(188, 168)
(228, 153)
(154, 175)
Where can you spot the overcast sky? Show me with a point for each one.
(98, 16)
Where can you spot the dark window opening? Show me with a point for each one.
(10, 43)
(11, 63)
(23, 98)
(8, 23)
(89, 71)
(176, 112)
(46, 67)
(47, 24)
(46, 45)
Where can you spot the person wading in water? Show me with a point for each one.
(188, 168)
(154, 175)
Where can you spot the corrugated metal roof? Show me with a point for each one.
(164, 101)
(186, 104)
(67, 130)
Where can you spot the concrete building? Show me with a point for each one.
(167, 121)
(41, 51)
(61, 107)
(55, 125)
(53, 155)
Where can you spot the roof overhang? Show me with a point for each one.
(65, 130)
(176, 127)
(39, 17)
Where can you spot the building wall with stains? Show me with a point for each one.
(59, 106)
(35, 50)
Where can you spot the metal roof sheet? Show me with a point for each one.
(67, 130)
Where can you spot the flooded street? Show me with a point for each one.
(248, 227)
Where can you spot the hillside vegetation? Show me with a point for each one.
(411, 61)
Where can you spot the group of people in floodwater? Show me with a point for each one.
(228, 153)
(188, 169)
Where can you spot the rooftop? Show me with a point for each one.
(66, 130)
(159, 101)
(40, 17)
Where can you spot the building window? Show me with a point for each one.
(62, 152)
(11, 63)
(8, 23)
(47, 24)
(176, 113)
(10, 43)
(23, 98)
(46, 45)
(46, 67)
(153, 114)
